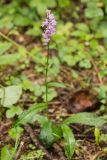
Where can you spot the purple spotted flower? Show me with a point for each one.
(50, 27)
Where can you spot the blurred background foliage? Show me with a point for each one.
(78, 58)
(28, 13)
(79, 43)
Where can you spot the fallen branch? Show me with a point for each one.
(36, 142)
(58, 151)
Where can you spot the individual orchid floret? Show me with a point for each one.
(50, 27)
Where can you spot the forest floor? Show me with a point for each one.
(67, 102)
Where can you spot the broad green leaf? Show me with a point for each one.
(46, 134)
(10, 95)
(50, 133)
(4, 46)
(9, 59)
(69, 141)
(30, 115)
(84, 118)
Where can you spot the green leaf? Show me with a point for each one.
(5, 154)
(42, 5)
(15, 132)
(4, 46)
(97, 134)
(22, 51)
(20, 20)
(46, 134)
(31, 115)
(64, 4)
(92, 11)
(85, 63)
(57, 132)
(84, 118)
(50, 133)
(103, 137)
(35, 30)
(83, 27)
(102, 29)
(38, 90)
(69, 59)
(51, 94)
(105, 5)
(9, 59)
(14, 110)
(56, 84)
(69, 141)
(10, 95)
(27, 84)
(102, 93)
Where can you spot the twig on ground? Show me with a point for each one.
(19, 151)
(96, 155)
(97, 71)
(84, 136)
(36, 142)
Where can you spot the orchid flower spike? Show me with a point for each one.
(50, 27)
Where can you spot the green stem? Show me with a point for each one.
(9, 39)
(46, 76)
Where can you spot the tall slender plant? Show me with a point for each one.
(49, 25)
